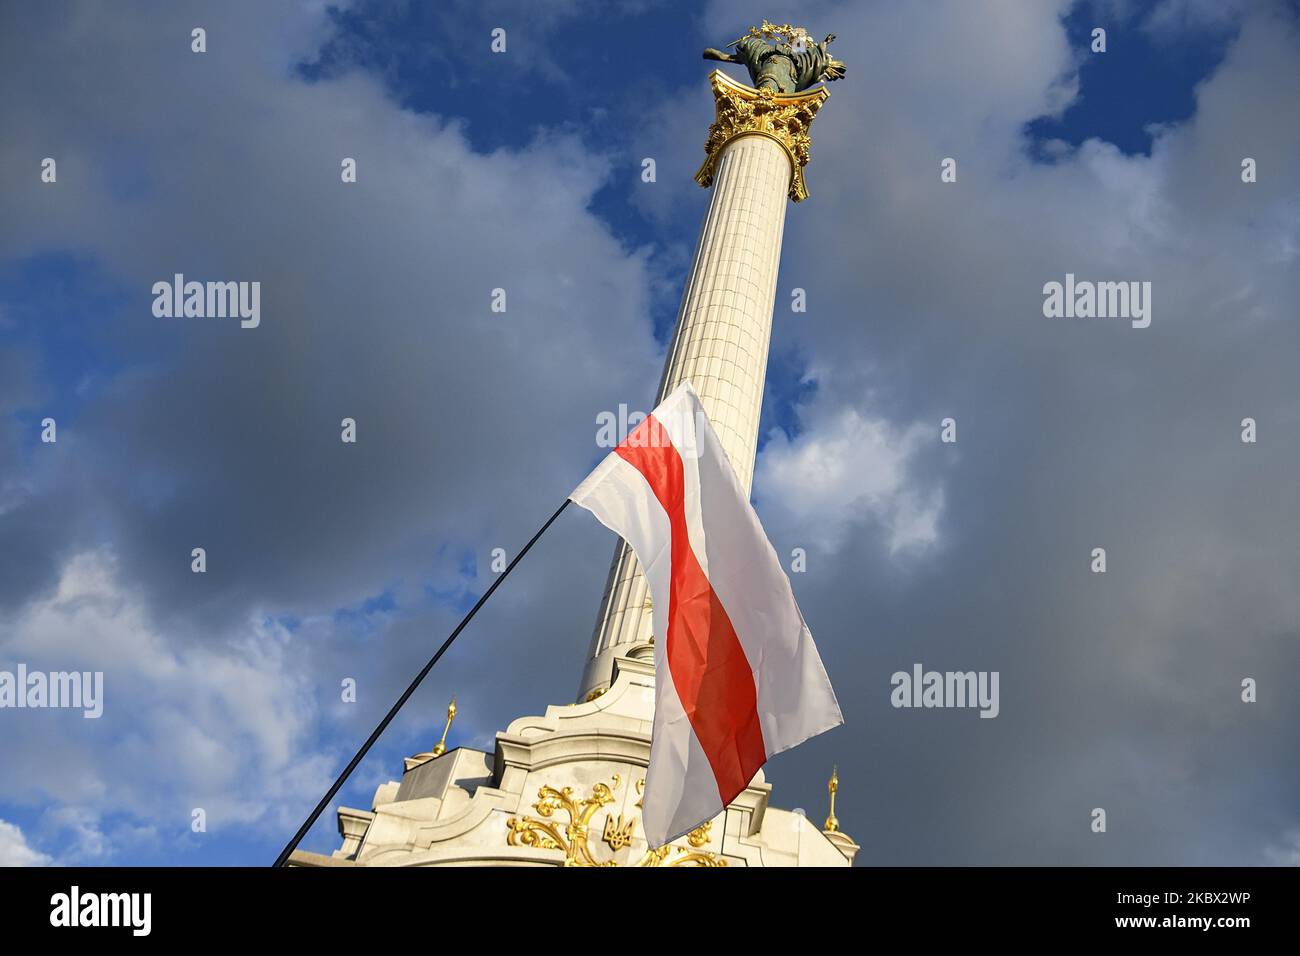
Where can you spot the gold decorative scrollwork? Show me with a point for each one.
(572, 838)
(681, 856)
(700, 835)
(527, 831)
(783, 117)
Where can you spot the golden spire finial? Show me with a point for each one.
(441, 749)
(833, 784)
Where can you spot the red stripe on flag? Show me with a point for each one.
(710, 671)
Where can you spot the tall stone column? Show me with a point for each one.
(756, 151)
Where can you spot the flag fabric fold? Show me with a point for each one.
(738, 677)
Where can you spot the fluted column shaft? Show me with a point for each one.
(720, 345)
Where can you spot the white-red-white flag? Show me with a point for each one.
(738, 677)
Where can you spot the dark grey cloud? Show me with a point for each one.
(1119, 691)
(473, 425)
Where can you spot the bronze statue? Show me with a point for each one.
(790, 63)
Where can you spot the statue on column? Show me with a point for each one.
(783, 58)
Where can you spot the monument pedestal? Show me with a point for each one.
(564, 789)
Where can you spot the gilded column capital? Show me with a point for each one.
(745, 111)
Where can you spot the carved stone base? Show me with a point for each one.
(563, 790)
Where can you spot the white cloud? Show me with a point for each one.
(223, 725)
(1172, 19)
(844, 471)
(15, 850)
(375, 305)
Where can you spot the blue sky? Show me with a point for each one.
(524, 169)
(1142, 81)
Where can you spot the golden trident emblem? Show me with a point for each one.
(618, 833)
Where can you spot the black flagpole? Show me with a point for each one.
(320, 807)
